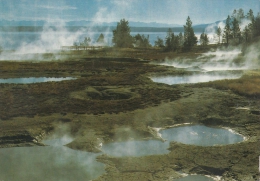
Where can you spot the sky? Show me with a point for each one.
(160, 11)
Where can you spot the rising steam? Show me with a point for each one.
(49, 40)
(54, 162)
(220, 60)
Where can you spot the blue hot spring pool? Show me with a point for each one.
(195, 135)
(63, 163)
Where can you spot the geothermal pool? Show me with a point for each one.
(31, 80)
(54, 162)
(201, 135)
(196, 78)
(57, 162)
(195, 135)
(194, 178)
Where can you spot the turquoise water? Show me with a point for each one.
(31, 80)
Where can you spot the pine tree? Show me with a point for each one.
(257, 25)
(252, 25)
(169, 41)
(246, 34)
(204, 40)
(238, 14)
(189, 37)
(121, 35)
(241, 15)
(176, 43)
(235, 31)
(159, 42)
(86, 41)
(227, 30)
(101, 39)
(141, 41)
(219, 32)
(181, 39)
(250, 15)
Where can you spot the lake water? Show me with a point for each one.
(56, 39)
(195, 135)
(31, 80)
(196, 78)
(15, 40)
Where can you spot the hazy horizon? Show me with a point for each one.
(147, 11)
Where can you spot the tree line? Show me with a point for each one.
(87, 41)
(231, 34)
(123, 39)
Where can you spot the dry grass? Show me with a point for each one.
(248, 85)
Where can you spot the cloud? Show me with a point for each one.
(164, 11)
(36, 10)
(122, 3)
(101, 15)
(58, 7)
(114, 11)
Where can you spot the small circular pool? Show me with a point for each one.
(201, 135)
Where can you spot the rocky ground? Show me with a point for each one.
(113, 99)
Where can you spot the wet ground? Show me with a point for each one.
(113, 99)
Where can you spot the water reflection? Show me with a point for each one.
(30, 80)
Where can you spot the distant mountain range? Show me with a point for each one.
(32, 26)
(85, 23)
